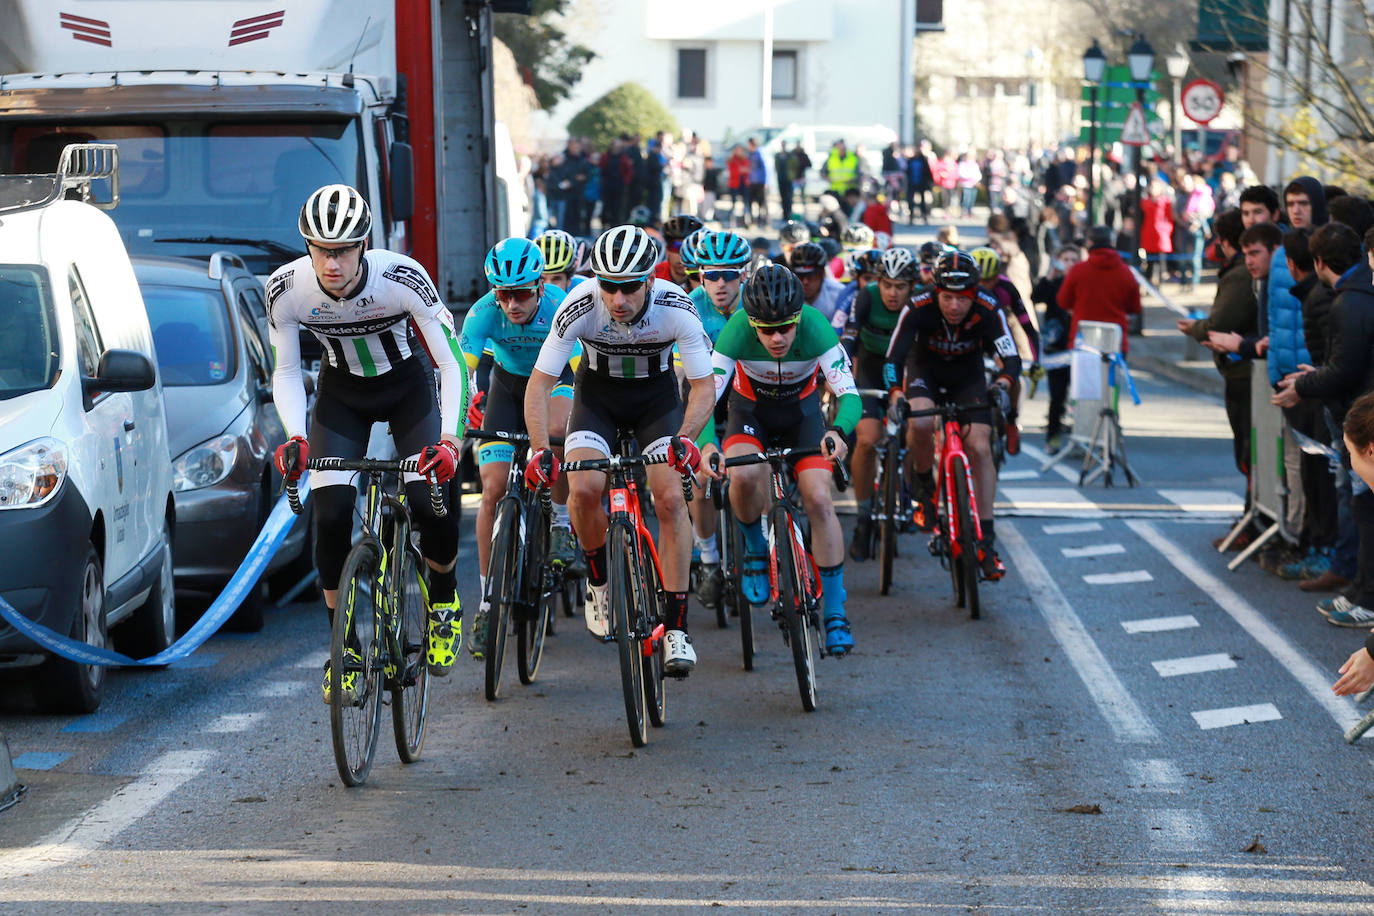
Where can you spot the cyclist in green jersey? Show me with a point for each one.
(772, 358)
(871, 321)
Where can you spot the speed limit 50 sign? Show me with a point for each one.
(1202, 100)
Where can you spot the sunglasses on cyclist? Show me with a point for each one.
(768, 330)
(335, 253)
(719, 275)
(628, 287)
(675, 244)
(515, 294)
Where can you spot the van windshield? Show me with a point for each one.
(29, 342)
(180, 180)
(192, 334)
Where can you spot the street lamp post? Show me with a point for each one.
(1177, 65)
(1094, 69)
(1141, 61)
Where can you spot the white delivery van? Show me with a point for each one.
(86, 511)
(817, 139)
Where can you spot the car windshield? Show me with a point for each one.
(29, 340)
(189, 188)
(192, 335)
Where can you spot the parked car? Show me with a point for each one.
(86, 508)
(210, 329)
(817, 139)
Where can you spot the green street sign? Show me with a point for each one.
(1114, 103)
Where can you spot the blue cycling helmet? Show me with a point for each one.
(722, 249)
(514, 262)
(688, 251)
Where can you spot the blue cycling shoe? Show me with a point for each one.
(838, 639)
(755, 582)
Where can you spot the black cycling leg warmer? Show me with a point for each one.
(333, 531)
(989, 535)
(438, 536)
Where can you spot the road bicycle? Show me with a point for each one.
(379, 632)
(522, 586)
(893, 515)
(793, 578)
(636, 589)
(731, 541)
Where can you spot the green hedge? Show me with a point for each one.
(627, 108)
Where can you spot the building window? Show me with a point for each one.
(930, 15)
(785, 76)
(691, 73)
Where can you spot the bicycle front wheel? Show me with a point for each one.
(732, 564)
(887, 531)
(532, 623)
(410, 680)
(794, 607)
(620, 562)
(967, 551)
(355, 715)
(503, 577)
(651, 654)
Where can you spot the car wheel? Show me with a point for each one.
(153, 627)
(71, 687)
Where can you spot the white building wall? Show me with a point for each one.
(848, 60)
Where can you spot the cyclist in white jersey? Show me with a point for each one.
(365, 308)
(628, 323)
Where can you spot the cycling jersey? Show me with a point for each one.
(950, 350)
(743, 365)
(711, 317)
(829, 297)
(514, 346)
(1008, 298)
(639, 349)
(367, 334)
(871, 322)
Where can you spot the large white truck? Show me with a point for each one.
(228, 113)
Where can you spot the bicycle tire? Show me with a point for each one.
(968, 545)
(355, 727)
(410, 690)
(532, 624)
(887, 531)
(655, 685)
(503, 577)
(734, 589)
(999, 438)
(792, 608)
(619, 562)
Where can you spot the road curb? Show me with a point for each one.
(10, 789)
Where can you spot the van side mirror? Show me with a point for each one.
(402, 168)
(120, 370)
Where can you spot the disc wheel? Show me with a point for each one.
(355, 722)
(410, 680)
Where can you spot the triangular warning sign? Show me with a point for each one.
(1135, 131)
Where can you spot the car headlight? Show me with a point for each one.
(205, 465)
(32, 474)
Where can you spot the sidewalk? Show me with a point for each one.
(1161, 349)
(9, 780)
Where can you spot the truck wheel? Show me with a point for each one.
(153, 627)
(71, 687)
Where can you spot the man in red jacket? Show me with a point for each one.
(1102, 288)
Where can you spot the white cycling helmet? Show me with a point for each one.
(335, 215)
(898, 264)
(857, 235)
(624, 253)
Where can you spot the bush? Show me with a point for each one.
(626, 109)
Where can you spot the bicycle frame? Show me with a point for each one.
(626, 512)
(948, 446)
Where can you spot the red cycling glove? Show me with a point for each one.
(683, 455)
(475, 411)
(439, 461)
(542, 469)
(290, 458)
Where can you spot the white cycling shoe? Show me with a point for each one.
(679, 656)
(597, 610)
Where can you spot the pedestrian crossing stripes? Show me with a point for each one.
(1236, 715)
(1196, 664)
(1092, 550)
(1160, 624)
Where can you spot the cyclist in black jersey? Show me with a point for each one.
(945, 333)
(872, 320)
(995, 285)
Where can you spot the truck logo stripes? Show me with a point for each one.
(406, 275)
(254, 27)
(96, 31)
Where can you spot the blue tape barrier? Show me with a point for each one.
(268, 542)
(1117, 360)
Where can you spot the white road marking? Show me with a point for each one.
(1194, 664)
(1118, 578)
(281, 688)
(1157, 775)
(1061, 469)
(1022, 474)
(1178, 829)
(235, 722)
(1093, 550)
(87, 832)
(314, 660)
(1058, 499)
(1127, 720)
(1073, 528)
(1316, 681)
(1204, 500)
(1159, 624)
(1236, 715)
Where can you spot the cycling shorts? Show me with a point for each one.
(868, 373)
(952, 384)
(504, 411)
(648, 408)
(766, 423)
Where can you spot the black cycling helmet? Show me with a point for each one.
(680, 226)
(956, 272)
(795, 232)
(930, 253)
(830, 246)
(867, 262)
(773, 295)
(807, 256)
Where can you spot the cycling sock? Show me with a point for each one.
(560, 516)
(482, 586)
(755, 541)
(832, 590)
(988, 534)
(864, 509)
(442, 585)
(596, 565)
(710, 553)
(677, 610)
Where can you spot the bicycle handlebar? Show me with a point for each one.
(775, 456)
(366, 465)
(622, 462)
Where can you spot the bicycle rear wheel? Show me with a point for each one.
(355, 721)
(503, 577)
(620, 564)
(793, 604)
(651, 653)
(410, 683)
(968, 544)
(887, 531)
(532, 622)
